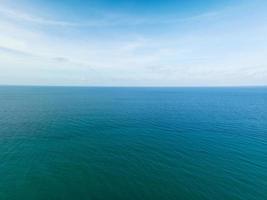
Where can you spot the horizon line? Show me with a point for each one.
(116, 86)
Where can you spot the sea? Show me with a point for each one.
(143, 143)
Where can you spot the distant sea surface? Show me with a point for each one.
(64, 143)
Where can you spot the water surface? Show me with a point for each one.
(133, 143)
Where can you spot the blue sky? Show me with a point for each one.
(133, 43)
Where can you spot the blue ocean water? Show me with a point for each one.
(133, 143)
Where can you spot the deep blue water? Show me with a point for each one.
(133, 143)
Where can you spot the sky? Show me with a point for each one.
(133, 43)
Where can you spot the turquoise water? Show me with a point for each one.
(133, 143)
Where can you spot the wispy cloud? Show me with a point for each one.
(103, 20)
(14, 51)
(57, 60)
